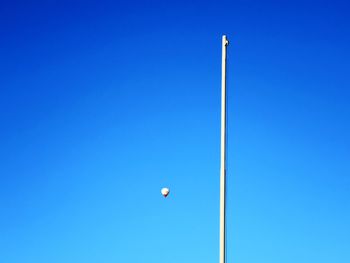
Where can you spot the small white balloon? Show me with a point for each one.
(165, 191)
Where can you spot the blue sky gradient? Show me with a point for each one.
(102, 103)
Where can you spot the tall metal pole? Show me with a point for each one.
(223, 155)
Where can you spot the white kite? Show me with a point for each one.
(165, 191)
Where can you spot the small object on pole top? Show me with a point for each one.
(165, 191)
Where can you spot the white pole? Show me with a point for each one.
(223, 154)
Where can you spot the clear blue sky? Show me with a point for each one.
(103, 103)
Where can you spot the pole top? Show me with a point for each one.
(224, 40)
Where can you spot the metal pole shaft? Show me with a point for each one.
(223, 155)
